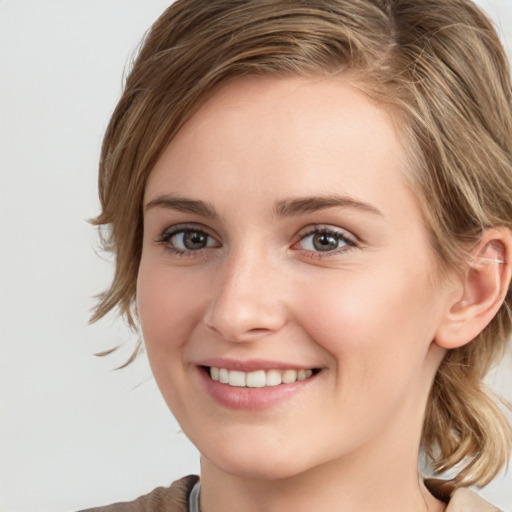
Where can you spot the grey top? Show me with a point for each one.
(193, 503)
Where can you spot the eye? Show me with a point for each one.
(326, 240)
(183, 240)
(191, 240)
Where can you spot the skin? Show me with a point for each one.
(365, 313)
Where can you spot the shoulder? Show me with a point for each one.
(161, 499)
(459, 499)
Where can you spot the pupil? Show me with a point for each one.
(194, 240)
(324, 242)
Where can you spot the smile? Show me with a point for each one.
(255, 385)
(258, 378)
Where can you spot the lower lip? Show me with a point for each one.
(252, 399)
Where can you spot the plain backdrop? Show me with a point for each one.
(74, 432)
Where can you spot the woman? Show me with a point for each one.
(309, 204)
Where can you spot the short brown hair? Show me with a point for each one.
(438, 64)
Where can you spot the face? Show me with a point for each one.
(286, 290)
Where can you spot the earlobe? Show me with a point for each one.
(483, 289)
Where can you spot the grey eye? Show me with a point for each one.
(191, 240)
(323, 241)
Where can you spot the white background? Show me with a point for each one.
(73, 432)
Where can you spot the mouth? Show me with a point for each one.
(258, 378)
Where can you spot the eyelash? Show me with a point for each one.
(166, 237)
(339, 235)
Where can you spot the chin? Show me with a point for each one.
(268, 470)
(253, 460)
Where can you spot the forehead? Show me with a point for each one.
(259, 127)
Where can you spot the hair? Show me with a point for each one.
(437, 64)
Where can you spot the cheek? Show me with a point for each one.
(375, 324)
(168, 309)
(167, 306)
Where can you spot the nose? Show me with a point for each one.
(248, 301)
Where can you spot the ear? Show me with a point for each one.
(480, 292)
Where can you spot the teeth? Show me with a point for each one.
(258, 378)
(237, 379)
(273, 378)
(255, 379)
(214, 372)
(289, 376)
(223, 375)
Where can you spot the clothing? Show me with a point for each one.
(193, 500)
(175, 499)
(162, 499)
(459, 500)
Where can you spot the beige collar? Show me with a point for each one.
(459, 499)
(466, 500)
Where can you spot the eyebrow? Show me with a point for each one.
(283, 208)
(182, 204)
(299, 206)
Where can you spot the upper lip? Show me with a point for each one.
(252, 365)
